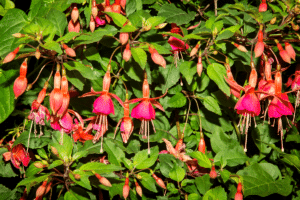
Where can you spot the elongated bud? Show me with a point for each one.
(157, 58)
(74, 27)
(260, 36)
(199, 66)
(253, 76)
(201, 146)
(268, 69)
(127, 53)
(259, 49)
(66, 97)
(69, 51)
(56, 96)
(160, 26)
(146, 89)
(116, 8)
(107, 79)
(194, 50)
(278, 82)
(11, 55)
(41, 190)
(159, 181)
(239, 187)
(123, 4)
(38, 165)
(273, 21)
(213, 174)
(92, 24)
(94, 9)
(263, 6)
(23, 68)
(18, 35)
(238, 194)
(54, 151)
(123, 37)
(139, 176)
(126, 188)
(48, 188)
(138, 189)
(240, 47)
(42, 93)
(103, 180)
(20, 86)
(37, 54)
(74, 13)
(290, 50)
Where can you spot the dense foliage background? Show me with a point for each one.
(211, 91)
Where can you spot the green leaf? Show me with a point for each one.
(225, 174)
(59, 20)
(140, 56)
(148, 182)
(5, 168)
(128, 29)
(171, 76)
(193, 196)
(177, 101)
(166, 163)
(12, 22)
(63, 144)
(217, 72)
(33, 180)
(115, 154)
(233, 157)
(188, 69)
(292, 160)
(176, 15)
(76, 193)
(217, 193)
(154, 21)
(83, 181)
(212, 105)
(76, 79)
(34, 142)
(55, 163)
(67, 37)
(51, 45)
(100, 168)
(143, 160)
(203, 183)
(177, 173)
(7, 103)
(228, 32)
(203, 160)
(85, 71)
(258, 181)
(118, 19)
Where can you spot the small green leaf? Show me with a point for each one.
(143, 160)
(51, 45)
(217, 72)
(177, 173)
(203, 160)
(171, 76)
(203, 183)
(148, 182)
(67, 37)
(85, 71)
(217, 193)
(292, 160)
(83, 181)
(59, 20)
(118, 19)
(212, 105)
(115, 154)
(177, 101)
(188, 69)
(140, 56)
(100, 168)
(55, 164)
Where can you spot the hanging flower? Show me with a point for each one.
(144, 111)
(17, 155)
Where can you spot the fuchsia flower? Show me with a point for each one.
(17, 155)
(103, 106)
(295, 85)
(263, 6)
(259, 46)
(20, 83)
(126, 123)
(248, 105)
(64, 123)
(80, 134)
(144, 111)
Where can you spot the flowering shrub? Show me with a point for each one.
(145, 99)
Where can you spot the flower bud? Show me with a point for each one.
(213, 174)
(11, 55)
(273, 21)
(199, 66)
(54, 151)
(139, 176)
(123, 4)
(56, 96)
(290, 50)
(92, 24)
(69, 51)
(20, 85)
(239, 187)
(194, 50)
(123, 37)
(259, 49)
(103, 180)
(138, 189)
(74, 13)
(94, 9)
(38, 165)
(126, 188)
(160, 26)
(263, 6)
(127, 53)
(77, 176)
(18, 35)
(41, 190)
(240, 47)
(48, 188)
(201, 146)
(159, 181)
(74, 27)
(37, 54)
(238, 196)
(157, 58)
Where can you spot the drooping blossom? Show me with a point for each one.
(20, 83)
(17, 155)
(290, 50)
(9, 57)
(295, 86)
(248, 105)
(283, 53)
(81, 135)
(259, 46)
(178, 151)
(103, 106)
(56, 96)
(126, 123)
(144, 111)
(64, 123)
(263, 6)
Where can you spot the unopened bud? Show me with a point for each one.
(127, 53)
(77, 176)
(273, 21)
(138, 189)
(139, 176)
(41, 190)
(54, 151)
(103, 180)
(213, 174)
(160, 26)
(38, 165)
(18, 35)
(126, 188)
(159, 181)
(37, 54)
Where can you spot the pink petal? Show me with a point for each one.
(177, 44)
(143, 110)
(103, 105)
(279, 107)
(66, 122)
(248, 104)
